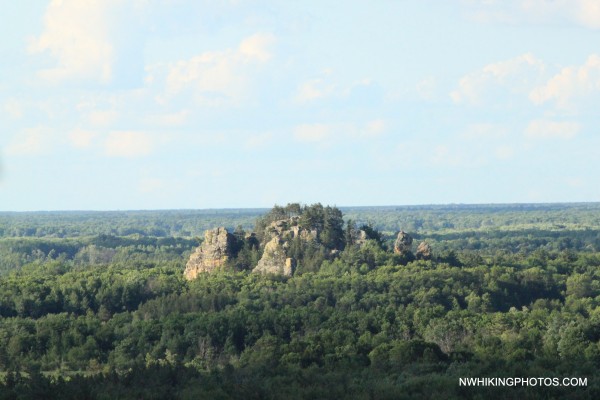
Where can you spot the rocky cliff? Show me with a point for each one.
(274, 259)
(212, 254)
(289, 238)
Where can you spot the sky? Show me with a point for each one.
(173, 104)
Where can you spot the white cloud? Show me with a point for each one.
(128, 144)
(257, 47)
(314, 132)
(82, 139)
(103, 118)
(544, 129)
(588, 13)
(504, 152)
(13, 108)
(77, 34)
(570, 83)
(363, 91)
(169, 119)
(375, 128)
(314, 89)
(326, 134)
(579, 12)
(219, 77)
(516, 75)
(30, 142)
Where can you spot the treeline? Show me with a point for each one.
(191, 223)
(161, 223)
(16, 253)
(448, 218)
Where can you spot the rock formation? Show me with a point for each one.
(282, 238)
(403, 243)
(290, 266)
(274, 258)
(282, 226)
(424, 251)
(212, 254)
(288, 229)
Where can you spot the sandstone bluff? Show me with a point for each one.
(282, 239)
(219, 246)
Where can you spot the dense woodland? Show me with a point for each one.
(94, 305)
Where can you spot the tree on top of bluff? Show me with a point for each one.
(327, 221)
(332, 235)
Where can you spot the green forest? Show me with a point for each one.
(95, 305)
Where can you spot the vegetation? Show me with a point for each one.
(511, 291)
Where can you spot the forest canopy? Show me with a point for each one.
(507, 291)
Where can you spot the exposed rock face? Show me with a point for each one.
(274, 259)
(424, 251)
(403, 243)
(288, 229)
(212, 254)
(290, 266)
(283, 227)
(276, 240)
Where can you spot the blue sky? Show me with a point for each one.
(158, 104)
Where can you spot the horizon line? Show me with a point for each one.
(569, 203)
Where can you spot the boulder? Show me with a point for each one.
(212, 254)
(403, 243)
